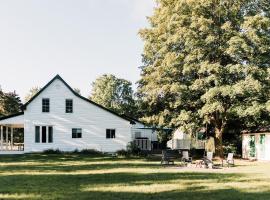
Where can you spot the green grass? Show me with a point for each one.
(39, 176)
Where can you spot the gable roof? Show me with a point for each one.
(57, 77)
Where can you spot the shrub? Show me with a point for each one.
(91, 152)
(133, 149)
(52, 151)
(75, 151)
(122, 152)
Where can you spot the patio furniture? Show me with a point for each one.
(208, 160)
(199, 163)
(229, 160)
(169, 156)
(185, 157)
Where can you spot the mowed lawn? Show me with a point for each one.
(72, 176)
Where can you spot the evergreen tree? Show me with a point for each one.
(10, 103)
(206, 63)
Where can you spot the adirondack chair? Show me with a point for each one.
(208, 160)
(229, 161)
(169, 156)
(185, 157)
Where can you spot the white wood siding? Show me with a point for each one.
(246, 148)
(93, 120)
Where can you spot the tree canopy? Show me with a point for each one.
(113, 93)
(32, 92)
(206, 63)
(10, 103)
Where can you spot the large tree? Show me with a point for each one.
(206, 63)
(32, 92)
(113, 93)
(10, 103)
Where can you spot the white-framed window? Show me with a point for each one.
(44, 134)
(69, 106)
(76, 133)
(110, 133)
(45, 105)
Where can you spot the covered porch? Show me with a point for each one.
(12, 134)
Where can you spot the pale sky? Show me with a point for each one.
(77, 39)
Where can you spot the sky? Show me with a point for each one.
(77, 39)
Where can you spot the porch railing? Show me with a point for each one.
(187, 144)
(14, 147)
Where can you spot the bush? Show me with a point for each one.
(133, 149)
(122, 153)
(90, 152)
(52, 151)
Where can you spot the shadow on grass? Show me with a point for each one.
(71, 186)
(91, 186)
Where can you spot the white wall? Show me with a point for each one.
(92, 119)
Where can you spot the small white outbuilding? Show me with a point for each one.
(256, 145)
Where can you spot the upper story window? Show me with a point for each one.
(69, 106)
(110, 133)
(76, 133)
(46, 105)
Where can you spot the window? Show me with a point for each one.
(45, 105)
(138, 134)
(43, 134)
(50, 137)
(76, 133)
(69, 106)
(37, 134)
(110, 133)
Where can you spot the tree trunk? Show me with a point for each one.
(218, 142)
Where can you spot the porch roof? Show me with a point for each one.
(16, 119)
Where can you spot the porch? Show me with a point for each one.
(12, 134)
(11, 138)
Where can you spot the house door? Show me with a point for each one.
(252, 147)
(261, 155)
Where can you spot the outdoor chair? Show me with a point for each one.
(229, 161)
(168, 156)
(185, 157)
(208, 160)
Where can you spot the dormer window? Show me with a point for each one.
(69, 106)
(46, 105)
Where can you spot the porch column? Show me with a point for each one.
(6, 137)
(1, 137)
(11, 142)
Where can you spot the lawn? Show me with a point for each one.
(40, 176)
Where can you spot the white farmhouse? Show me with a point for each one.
(59, 118)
